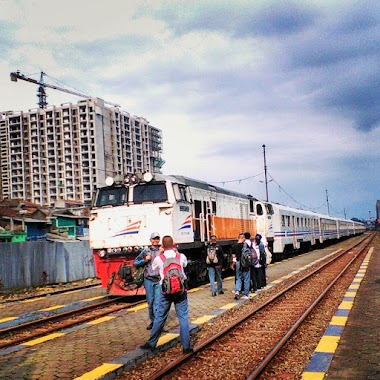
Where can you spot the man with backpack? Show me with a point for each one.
(151, 276)
(254, 261)
(214, 262)
(171, 264)
(242, 269)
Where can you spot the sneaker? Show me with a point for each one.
(221, 292)
(244, 298)
(214, 294)
(146, 346)
(188, 350)
(149, 327)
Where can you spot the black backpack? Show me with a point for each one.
(248, 256)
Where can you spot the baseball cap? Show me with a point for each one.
(154, 235)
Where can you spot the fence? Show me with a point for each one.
(38, 263)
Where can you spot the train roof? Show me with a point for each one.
(206, 186)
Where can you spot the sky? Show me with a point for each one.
(221, 79)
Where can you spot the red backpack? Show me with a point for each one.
(174, 281)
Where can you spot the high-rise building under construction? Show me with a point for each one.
(66, 151)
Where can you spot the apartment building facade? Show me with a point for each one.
(67, 151)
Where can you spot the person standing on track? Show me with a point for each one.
(151, 276)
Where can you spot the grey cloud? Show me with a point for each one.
(239, 18)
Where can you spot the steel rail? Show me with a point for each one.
(263, 364)
(55, 318)
(52, 293)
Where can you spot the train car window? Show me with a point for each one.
(111, 197)
(259, 209)
(213, 207)
(251, 206)
(269, 209)
(287, 220)
(150, 192)
(283, 220)
(180, 193)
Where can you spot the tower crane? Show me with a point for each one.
(41, 93)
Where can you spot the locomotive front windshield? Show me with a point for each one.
(111, 197)
(150, 192)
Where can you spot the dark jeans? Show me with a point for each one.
(254, 278)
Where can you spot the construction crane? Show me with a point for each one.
(41, 93)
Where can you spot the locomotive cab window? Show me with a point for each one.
(111, 197)
(181, 194)
(150, 192)
(269, 209)
(259, 209)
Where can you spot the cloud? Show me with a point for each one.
(221, 79)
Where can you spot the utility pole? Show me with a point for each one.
(328, 206)
(265, 174)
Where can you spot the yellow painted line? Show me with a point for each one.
(7, 319)
(313, 376)
(193, 290)
(276, 281)
(52, 308)
(138, 307)
(166, 338)
(43, 339)
(101, 320)
(73, 291)
(93, 298)
(346, 305)
(296, 271)
(228, 306)
(353, 286)
(203, 319)
(338, 320)
(350, 294)
(33, 300)
(100, 371)
(328, 344)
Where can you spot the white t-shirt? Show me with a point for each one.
(158, 263)
(264, 240)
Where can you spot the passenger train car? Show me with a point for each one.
(126, 211)
(288, 229)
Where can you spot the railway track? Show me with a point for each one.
(22, 332)
(7, 296)
(248, 342)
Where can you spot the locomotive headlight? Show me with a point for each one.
(136, 249)
(109, 181)
(102, 253)
(129, 249)
(147, 177)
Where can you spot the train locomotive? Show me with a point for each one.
(126, 211)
